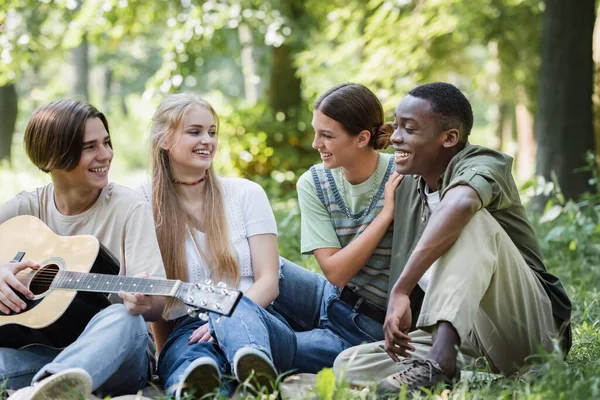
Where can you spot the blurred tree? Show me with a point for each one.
(30, 32)
(81, 64)
(564, 120)
(8, 118)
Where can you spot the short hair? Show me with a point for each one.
(357, 109)
(54, 134)
(449, 104)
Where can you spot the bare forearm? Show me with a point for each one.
(340, 267)
(264, 290)
(154, 313)
(161, 330)
(265, 266)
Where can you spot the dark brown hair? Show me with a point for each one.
(357, 109)
(54, 134)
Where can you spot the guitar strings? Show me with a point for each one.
(48, 277)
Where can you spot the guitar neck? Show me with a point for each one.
(90, 282)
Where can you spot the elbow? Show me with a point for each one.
(468, 204)
(269, 287)
(336, 278)
(275, 291)
(155, 313)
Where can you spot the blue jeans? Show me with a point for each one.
(249, 326)
(112, 349)
(324, 324)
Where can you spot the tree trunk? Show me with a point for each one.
(123, 101)
(249, 65)
(284, 91)
(564, 121)
(596, 53)
(8, 118)
(504, 128)
(82, 67)
(108, 79)
(526, 143)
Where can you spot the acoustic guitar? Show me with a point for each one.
(70, 287)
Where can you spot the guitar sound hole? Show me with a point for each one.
(43, 279)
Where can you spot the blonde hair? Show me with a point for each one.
(172, 220)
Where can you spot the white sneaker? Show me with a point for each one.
(70, 384)
(253, 365)
(201, 377)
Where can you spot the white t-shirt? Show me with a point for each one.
(248, 213)
(120, 219)
(433, 201)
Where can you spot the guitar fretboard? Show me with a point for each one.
(90, 282)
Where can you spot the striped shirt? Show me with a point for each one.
(371, 282)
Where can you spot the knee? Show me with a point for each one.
(482, 224)
(245, 305)
(342, 362)
(121, 320)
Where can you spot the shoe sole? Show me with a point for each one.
(263, 375)
(67, 387)
(202, 380)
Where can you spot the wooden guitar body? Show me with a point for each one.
(28, 235)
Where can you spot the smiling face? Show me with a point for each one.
(336, 147)
(420, 144)
(91, 172)
(194, 144)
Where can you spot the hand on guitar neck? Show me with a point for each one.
(8, 281)
(139, 304)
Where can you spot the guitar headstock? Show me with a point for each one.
(209, 296)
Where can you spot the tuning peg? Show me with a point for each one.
(208, 282)
(203, 316)
(197, 286)
(224, 292)
(192, 312)
(203, 303)
(222, 284)
(217, 306)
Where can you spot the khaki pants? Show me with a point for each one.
(482, 286)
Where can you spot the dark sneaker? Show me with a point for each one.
(200, 378)
(416, 374)
(253, 366)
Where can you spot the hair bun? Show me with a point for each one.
(381, 136)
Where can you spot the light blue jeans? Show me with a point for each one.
(324, 324)
(249, 325)
(112, 349)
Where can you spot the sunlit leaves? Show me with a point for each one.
(393, 45)
(28, 34)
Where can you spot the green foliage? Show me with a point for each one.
(392, 46)
(325, 385)
(570, 230)
(30, 32)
